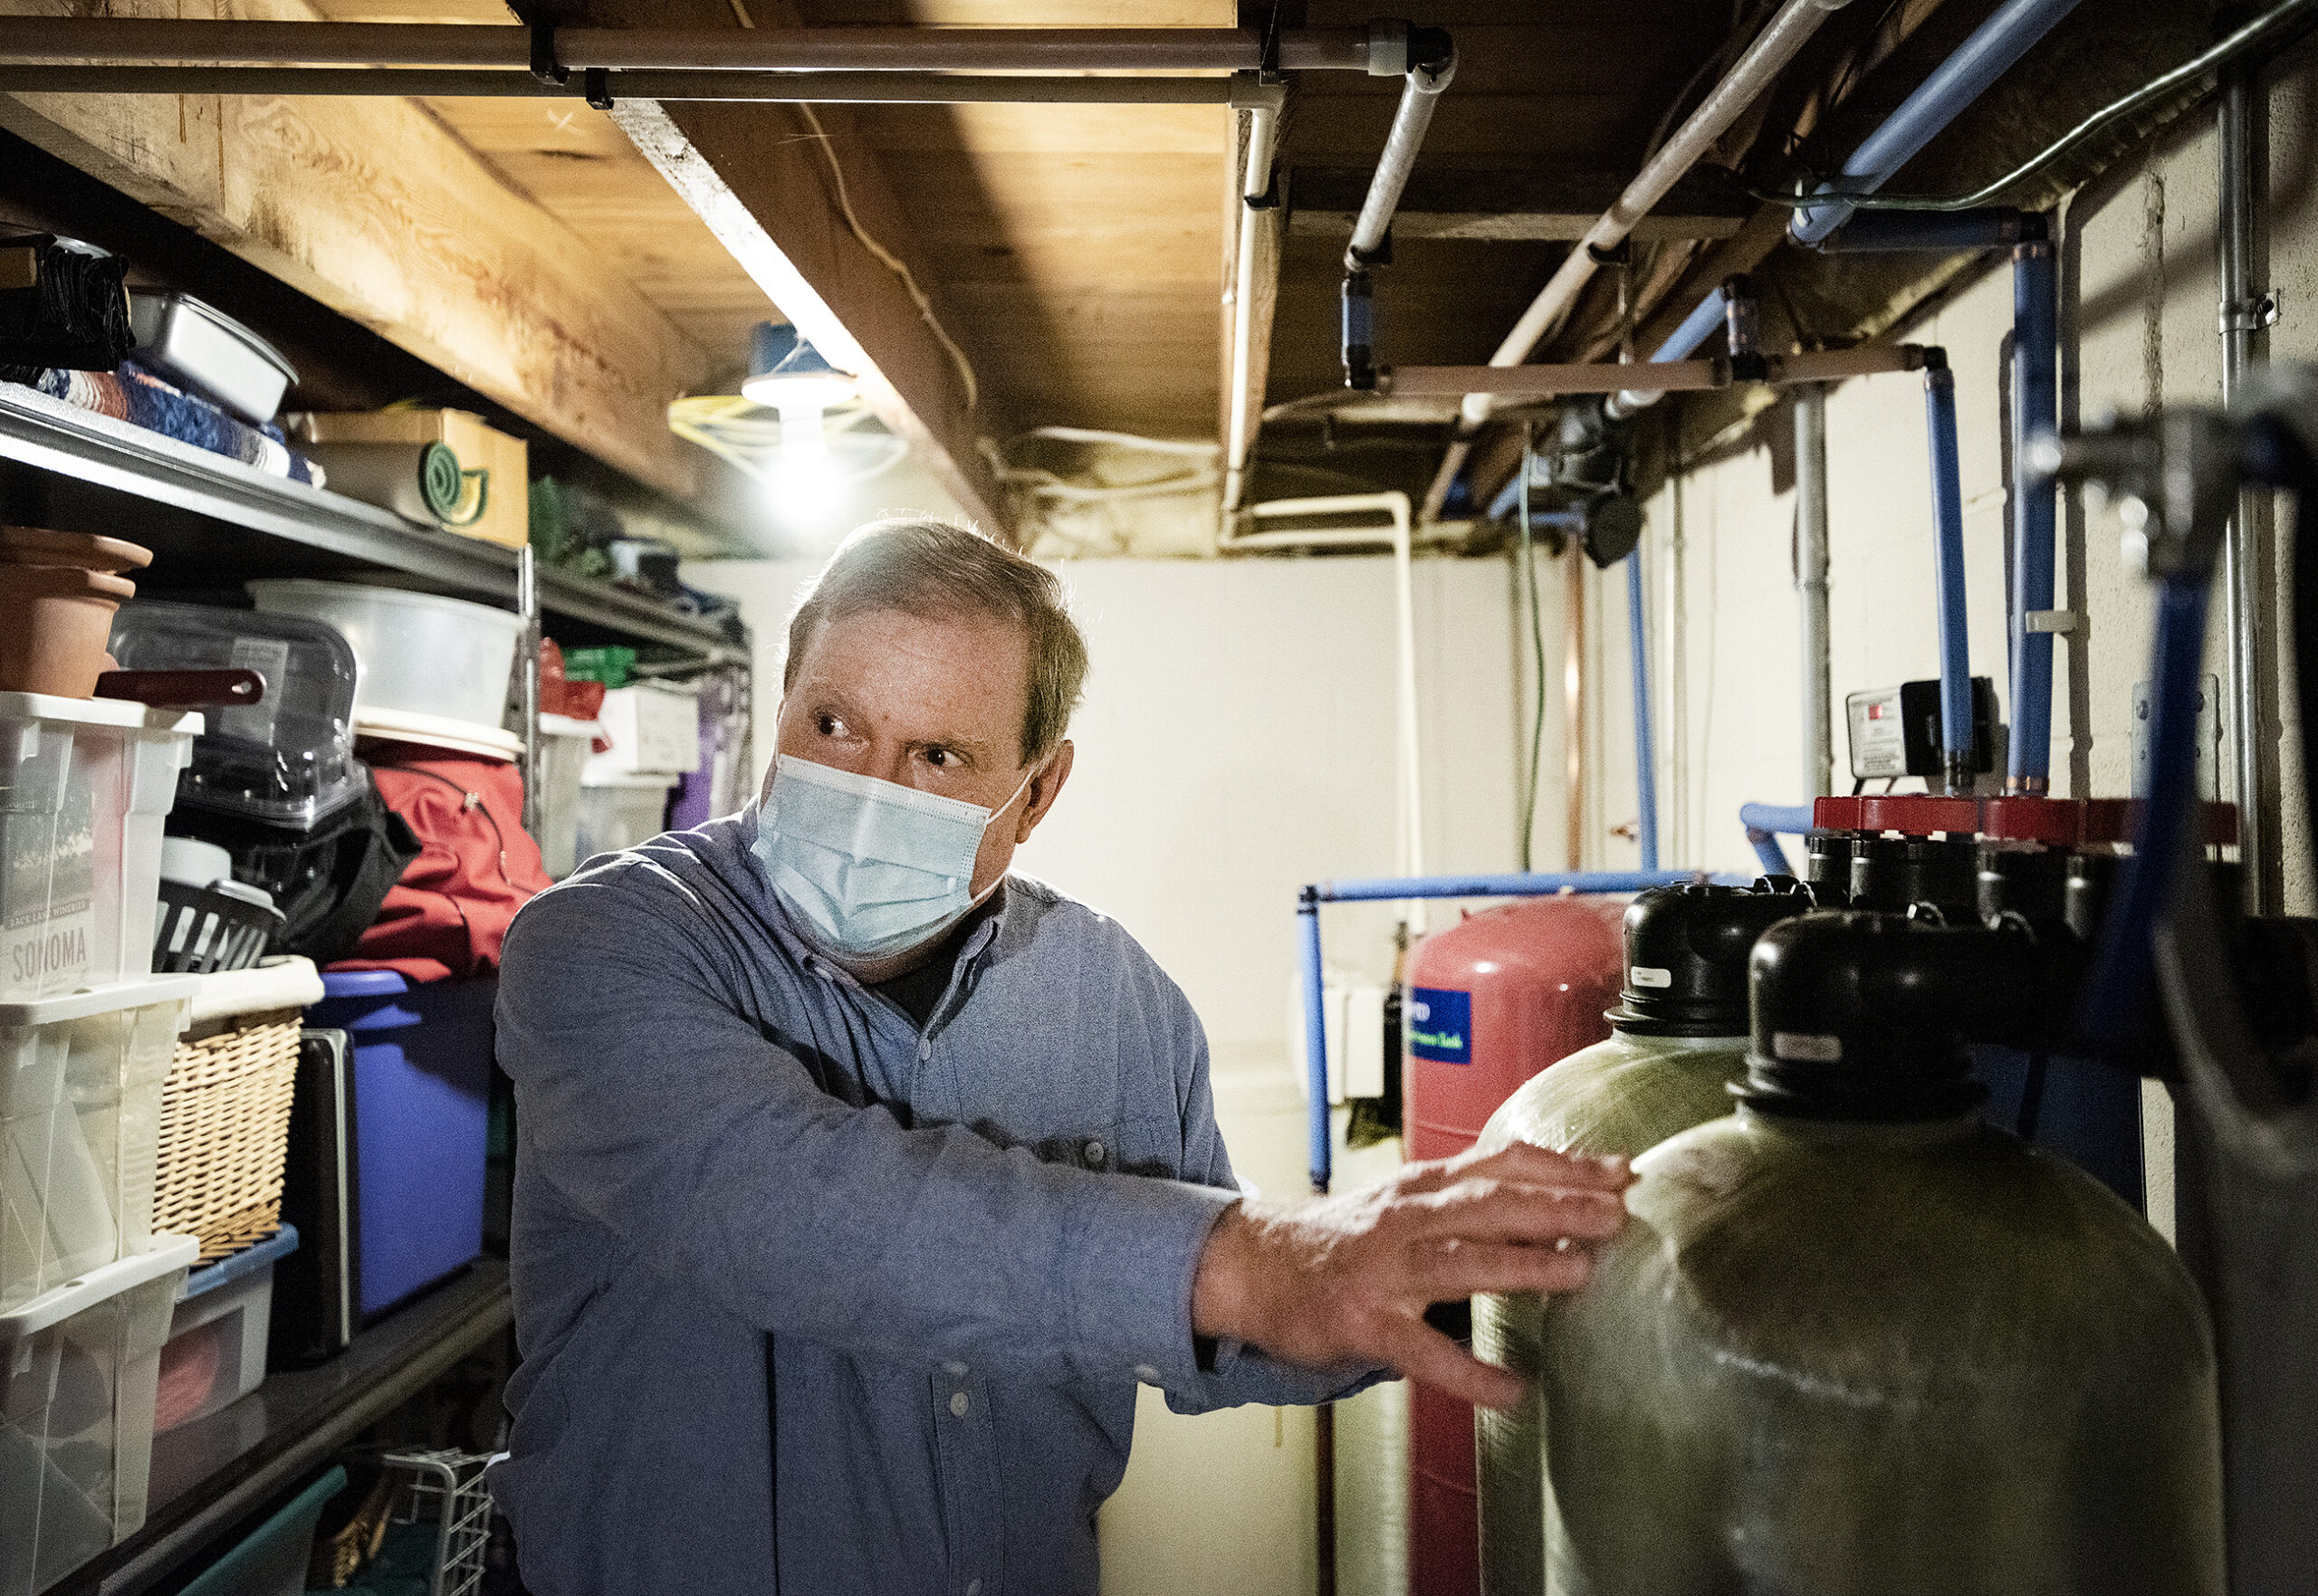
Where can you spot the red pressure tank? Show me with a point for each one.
(1491, 1002)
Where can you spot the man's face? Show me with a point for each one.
(932, 702)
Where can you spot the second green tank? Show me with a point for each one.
(1678, 1045)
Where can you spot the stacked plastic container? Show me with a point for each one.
(86, 1036)
(654, 728)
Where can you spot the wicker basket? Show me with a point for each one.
(225, 1112)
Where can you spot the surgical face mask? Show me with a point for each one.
(868, 867)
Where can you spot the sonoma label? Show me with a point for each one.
(1440, 1025)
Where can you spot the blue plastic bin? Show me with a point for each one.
(422, 1111)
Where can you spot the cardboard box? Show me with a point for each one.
(506, 518)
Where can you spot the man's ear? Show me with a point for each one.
(1045, 788)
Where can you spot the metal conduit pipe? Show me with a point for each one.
(1645, 761)
(1811, 586)
(1378, 48)
(2036, 412)
(1753, 73)
(595, 85)
(2244, 315)
(1993, 48)
(1947, 571)
(1263, 103)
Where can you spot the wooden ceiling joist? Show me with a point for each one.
(797, 196)
(374, 208)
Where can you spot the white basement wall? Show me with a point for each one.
(2140, 288)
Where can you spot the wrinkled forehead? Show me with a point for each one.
(950, 673)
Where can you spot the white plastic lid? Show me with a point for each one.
(163, 1254)
(190, 862)
(129, 994)
(97, 712)
(464, 737)
(285, 982)
(566, 726)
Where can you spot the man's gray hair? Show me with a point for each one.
(924, 566)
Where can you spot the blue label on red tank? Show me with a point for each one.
(1440, 1025)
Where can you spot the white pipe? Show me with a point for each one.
(1811, 583)
(1419, 96)
(1400, 535)
(1745, 82)
(1262, 103)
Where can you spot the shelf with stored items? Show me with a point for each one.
(212, 1474)
(213, 521)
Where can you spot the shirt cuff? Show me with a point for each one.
(1135, 1252)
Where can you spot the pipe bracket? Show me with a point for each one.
(2249, 315)
(2051, 620)
(544, 65)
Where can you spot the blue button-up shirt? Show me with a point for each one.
(801, 1286)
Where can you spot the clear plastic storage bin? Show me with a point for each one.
(80, 1081)
(216, 1353)
(654, 728)
(617, 812)
(419, 653)
(78, 1372)
(564, 745)
(84, 784)
(287, 759)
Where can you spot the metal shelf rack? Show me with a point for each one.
(213, 521)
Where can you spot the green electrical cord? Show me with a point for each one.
(1538, 641)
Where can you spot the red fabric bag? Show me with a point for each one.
(449, 912)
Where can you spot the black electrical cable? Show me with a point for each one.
(1537, 642)
(2262, 31)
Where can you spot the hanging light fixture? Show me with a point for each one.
(788, 374)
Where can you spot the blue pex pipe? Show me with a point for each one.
(1697, 326)
(2036, 412)
(1926, 232)
(1994, 45)
(2120, 987)
(1644, 751)
(1947, 564)
(1307, 911)
(1534, 884)
(1315, 1036)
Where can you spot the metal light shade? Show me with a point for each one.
(787, 373)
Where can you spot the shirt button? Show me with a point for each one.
(973, 1587)
(1147, 1373)
(954, 1369)
(925, 1051)
(1096, 1153)
(959, 1403)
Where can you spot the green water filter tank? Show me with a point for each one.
(1854, 1340)
(1678, 1045)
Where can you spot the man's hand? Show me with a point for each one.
(1346, 1280)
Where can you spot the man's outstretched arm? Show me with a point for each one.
(650, 1103)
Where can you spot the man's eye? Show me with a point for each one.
(828, 725)
(941, 759)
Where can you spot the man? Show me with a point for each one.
(858, 1182)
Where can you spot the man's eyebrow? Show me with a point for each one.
(972, 745)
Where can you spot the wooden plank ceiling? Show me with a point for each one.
(1076, 248)
(580, 168)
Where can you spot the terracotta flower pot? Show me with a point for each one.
(54, 622)
(40, 546)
